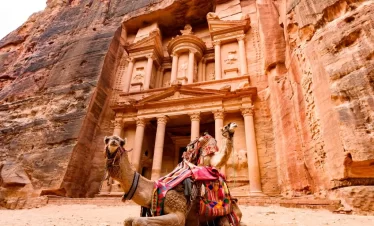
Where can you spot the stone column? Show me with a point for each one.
(218, 124)
(191, 67)
(200, 71)
(118, 127)
(242, 55)
(139, 135)
(204, 71)
(217, 57)
(176, 154)
(148, 72)
(159, 148)
(174, 68)
(159, 78)
(195, 125)
(252, 156)
(128, 77)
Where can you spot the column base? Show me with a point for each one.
(256, 194)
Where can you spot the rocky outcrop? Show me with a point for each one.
(54, 93)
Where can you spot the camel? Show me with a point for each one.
(178, 211)
(220, 158)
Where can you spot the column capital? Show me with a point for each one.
(118, 123)
(240, 37)
(195, 116)
(131, 60)
(151, 56)
(162, 120)
(249, 111)
(193, 51)
(140, 122)
(219, 114)
(217, 42)
(174, 54)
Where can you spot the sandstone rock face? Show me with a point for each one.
(311, 62)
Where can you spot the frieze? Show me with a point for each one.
(180, 108)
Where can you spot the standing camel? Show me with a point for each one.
(178, 211)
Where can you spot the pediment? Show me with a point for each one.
(180, 93)
(152, 42)
(217, 26)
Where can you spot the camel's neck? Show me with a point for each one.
(125, 176)
(227, 145)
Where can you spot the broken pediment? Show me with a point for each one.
(219, 27)
(150, 44)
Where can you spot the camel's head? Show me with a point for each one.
(112, 145)
(229, 129)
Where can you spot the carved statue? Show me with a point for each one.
(187, 30)
(139, 75)
(212, 76)
(183, 69)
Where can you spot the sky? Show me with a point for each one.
(13, 13)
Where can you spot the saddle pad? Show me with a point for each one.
(216, 199)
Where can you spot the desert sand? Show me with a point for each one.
(92, 215)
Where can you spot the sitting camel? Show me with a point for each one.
(177, 209)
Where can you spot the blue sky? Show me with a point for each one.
(13, 13)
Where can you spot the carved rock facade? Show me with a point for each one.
(300, 71)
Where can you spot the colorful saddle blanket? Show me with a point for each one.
(200, 148)
(215, 199)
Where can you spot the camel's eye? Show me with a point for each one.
(122, 142)
(106, 140)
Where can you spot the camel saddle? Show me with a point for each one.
(212, 191)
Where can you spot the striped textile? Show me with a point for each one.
(164, 184)
(216, 201)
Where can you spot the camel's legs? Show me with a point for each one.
(171, 219)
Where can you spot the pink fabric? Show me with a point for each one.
(206, 173)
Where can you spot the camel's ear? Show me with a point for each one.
(123, 142)
(106, 140)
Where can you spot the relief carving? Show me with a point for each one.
(231, 57)
(211, 76)
(183, 69)
(139, 75)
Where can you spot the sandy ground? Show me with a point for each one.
(91, 215)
